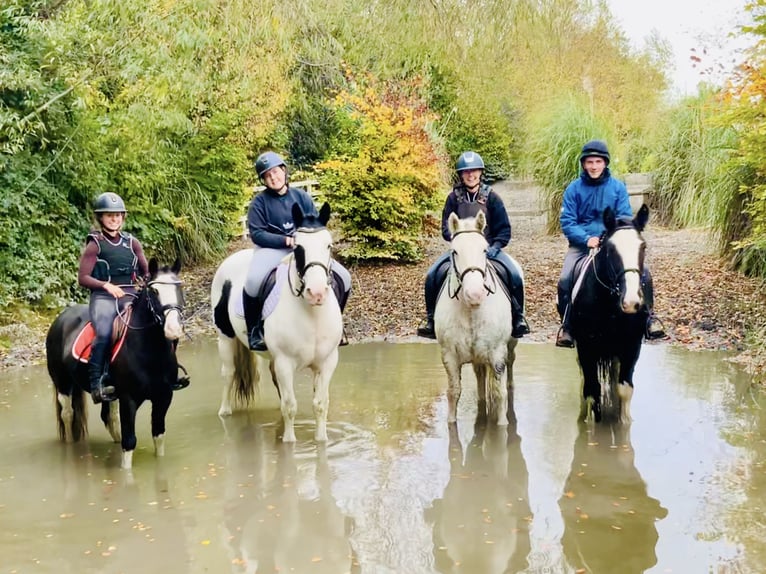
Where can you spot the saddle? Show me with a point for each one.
(504, 278)
(84, 340)
(579, 272)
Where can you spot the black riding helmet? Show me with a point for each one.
(595, 148)
(469, 160)
(109, 203)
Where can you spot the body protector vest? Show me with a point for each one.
(117, 262)
(469, 205)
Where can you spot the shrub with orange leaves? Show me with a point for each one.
(386, 172)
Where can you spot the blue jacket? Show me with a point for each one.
(270, 217)
(582, 211)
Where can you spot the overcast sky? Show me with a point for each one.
(686, 24)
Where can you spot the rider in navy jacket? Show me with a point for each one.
(581, 218)
(466, 198)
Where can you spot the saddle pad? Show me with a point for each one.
(84, 341)
(273, 297)
(580, 268)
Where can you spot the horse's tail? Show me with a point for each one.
(245, 378)
(77, 410)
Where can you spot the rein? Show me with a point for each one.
(613, 289)
(158, 316)
(487, 270)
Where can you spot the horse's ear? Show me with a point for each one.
(153, 266)
(176, 266)
(324, 213)
(452, 222)
(610, 222)
(297, 215)
(641, 218)
(299, 253)
(481, 221)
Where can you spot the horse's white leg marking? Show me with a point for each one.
(67, 415)
(454, 387)
(510, 359)
(625, 392)
(159, 445)
(114, 421)
(322, 394)
(284, 371)
(226, 353)
(127, 459)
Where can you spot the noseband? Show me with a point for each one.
(487, 270)
(302, 274)
(159, 316)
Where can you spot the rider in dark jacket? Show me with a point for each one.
(272, 229)
(582, 221)
(466, 199)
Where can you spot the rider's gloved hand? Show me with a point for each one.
(493, 251)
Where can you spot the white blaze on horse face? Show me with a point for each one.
(317, 246)
(470, 253)
(627, 244)
(166, 286)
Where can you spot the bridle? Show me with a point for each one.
(614, 286)
(327, 268)
(158, 314)
(460, 275)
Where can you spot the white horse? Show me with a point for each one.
(473, 322)
(303, 331)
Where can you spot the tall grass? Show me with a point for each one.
(554, 150)
(693, 185)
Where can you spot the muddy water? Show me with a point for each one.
(397, 490)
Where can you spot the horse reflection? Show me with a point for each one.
(482, 522)
(609, 518)
(281, 516)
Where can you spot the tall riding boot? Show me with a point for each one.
(520, 327)
(428, 330)
(97, 374)
(182, 380)
(342, 304)
(253, 321)
(564, 337)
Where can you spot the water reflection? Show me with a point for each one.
(279, 513)
(610, 520)
(481, 523)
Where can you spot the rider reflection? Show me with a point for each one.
(609, 517)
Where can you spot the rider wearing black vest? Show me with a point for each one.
(110, 264)
(467, 198)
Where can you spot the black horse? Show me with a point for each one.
(609, 316)
(144, 368)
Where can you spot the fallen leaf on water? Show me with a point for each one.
(569, 494)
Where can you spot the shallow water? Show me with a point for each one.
(396, 489)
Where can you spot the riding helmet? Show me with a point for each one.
(266, 161)
(595, 148)
(469, 160)
(109, 203)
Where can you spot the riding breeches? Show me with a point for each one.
(437, 273)
(567, 279)
(265, 259)
(103, 310)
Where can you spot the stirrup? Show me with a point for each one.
(657, 334)
(343, 339)
(564, 339)
(427, 331)
(520, 329)
(255, 342)
(103, 392)
(182, 382)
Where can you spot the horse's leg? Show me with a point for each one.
(226, 353)
(322, 378)
(451, 365)
(160, 406)
(284, 371)
(510, 359)
(499, 389)
(128, 408)
(65, 414)
(625, 382)
(591, 389)
(480, 372)
(110, 415)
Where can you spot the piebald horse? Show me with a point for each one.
(473, 322)
(302, 332)
(609, 316)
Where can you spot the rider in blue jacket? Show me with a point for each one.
(467, 197)
(585, 200)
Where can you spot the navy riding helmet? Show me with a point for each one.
(595, 148)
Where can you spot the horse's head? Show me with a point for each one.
(165, 297)
(312, 254)
(469, 256)
(623, 248)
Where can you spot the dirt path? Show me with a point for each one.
(701, 305)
